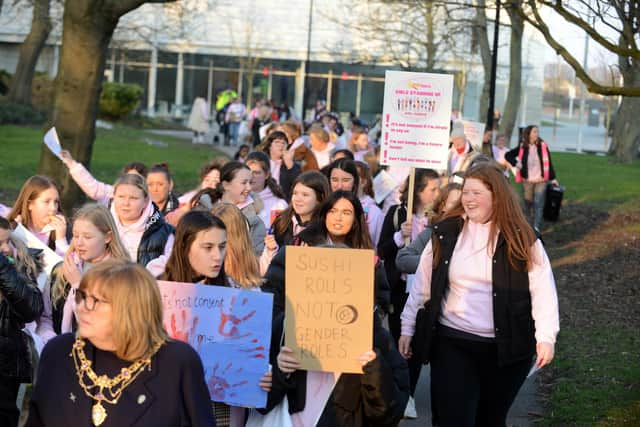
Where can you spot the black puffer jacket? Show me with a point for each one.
(154, 237)
(21, 303)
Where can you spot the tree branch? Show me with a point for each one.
(591, 84)
(584, 25)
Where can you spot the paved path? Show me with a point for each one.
(565, 137)
(522, 412)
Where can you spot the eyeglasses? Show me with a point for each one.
(90, 302)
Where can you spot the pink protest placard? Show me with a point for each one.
(415, 119)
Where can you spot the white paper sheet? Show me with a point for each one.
(52, 142)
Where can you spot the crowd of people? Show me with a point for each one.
(462, 280)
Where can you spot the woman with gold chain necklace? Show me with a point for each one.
(120, 369)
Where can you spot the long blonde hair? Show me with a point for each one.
(101, 218)
(240, 263)
(136, 305)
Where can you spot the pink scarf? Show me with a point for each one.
(545, 161)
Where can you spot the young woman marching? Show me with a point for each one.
(142, 228)
(492, 304)
(203, 254)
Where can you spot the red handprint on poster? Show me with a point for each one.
(229, 321)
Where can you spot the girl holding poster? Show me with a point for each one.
(379, 395)
(200, 256)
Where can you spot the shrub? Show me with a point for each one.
(117, 100)
(5, 81)
(19, 114)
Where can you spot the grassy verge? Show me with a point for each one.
(21, 150)
(595, 249)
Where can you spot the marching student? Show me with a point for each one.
(141, 227)
(263, 184)
(490, 304)
(395, 230)
(211, 251)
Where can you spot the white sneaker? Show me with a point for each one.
(410, 410)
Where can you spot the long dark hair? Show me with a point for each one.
(178, 268)
(525, 135)
(348, 166)
(423, 176)
(358, 237)
(227, 173)
(265, 164)
(312, 179)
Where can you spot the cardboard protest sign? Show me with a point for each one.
(329, 306)
(415, 119)
(231, 331)
(474, 131)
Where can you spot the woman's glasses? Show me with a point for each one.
(90, 302)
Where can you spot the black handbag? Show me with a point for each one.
(423, 335)
(552, 202)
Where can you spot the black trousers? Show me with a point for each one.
(399, 299)
(469, 388)
(9, 413)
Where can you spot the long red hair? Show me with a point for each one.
(506, 217)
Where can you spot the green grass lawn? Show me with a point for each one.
(20, 148)
(596, 180)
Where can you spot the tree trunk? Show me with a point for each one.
(485, 55)
(87, 29)
(512, 103)
(626, 130)
(85, 39)
(20, 89)
(431, 44)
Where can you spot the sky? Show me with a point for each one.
(574, 41)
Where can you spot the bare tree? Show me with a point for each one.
(88, 26)
(514, 92)
(623, 18)
(20, 89)
(482, 40)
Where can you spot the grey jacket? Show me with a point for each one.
(408, 257)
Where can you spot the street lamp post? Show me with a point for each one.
(308, 60)
(494, 64)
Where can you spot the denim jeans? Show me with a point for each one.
(233, 132)
(534, 194)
